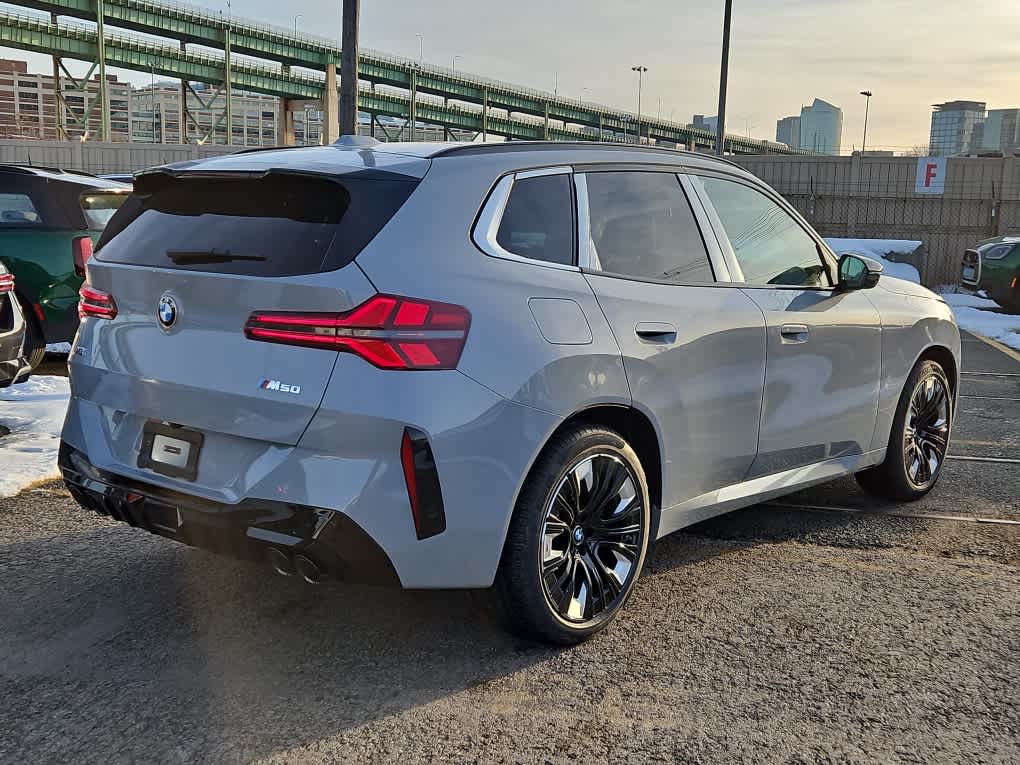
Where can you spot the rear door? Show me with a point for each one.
(694, 350)
(824, 346)
(188, 260)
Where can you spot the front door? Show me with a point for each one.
(824, 346)
(694, 350)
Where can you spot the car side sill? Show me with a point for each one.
(760, 489)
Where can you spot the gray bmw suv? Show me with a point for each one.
(486, 365)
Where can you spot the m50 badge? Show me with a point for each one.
(280, 387)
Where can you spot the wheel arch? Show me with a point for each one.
(636, 428)
(944, 357)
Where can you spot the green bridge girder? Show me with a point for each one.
(195, 26)
(37, 35)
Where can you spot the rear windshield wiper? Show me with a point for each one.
(186, 257)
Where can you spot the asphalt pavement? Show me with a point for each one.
(826, 627)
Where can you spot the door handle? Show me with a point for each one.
(656, 331)
(794, 333)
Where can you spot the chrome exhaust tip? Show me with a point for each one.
(308, 569)
(280, 561)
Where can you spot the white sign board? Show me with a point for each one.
(931, 175)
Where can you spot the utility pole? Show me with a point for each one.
(640, 76)
(349, 68)
(724, 70)
(867, 107)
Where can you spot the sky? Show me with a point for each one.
(784, 53)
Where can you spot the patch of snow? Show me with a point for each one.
(34, 413)
(984, 317)
(64, 348)
(878, 249)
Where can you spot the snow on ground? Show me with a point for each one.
(34, 413)
(985, 317)
(878, 249)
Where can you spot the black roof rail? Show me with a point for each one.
(514, 146)
(33, 169)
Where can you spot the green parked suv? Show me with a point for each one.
(49, 220)
(994, 266)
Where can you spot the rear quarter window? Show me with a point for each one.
(99, 207)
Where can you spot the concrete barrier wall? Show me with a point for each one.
(97, 157)
(874, 198)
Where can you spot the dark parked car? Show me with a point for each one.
(49, 221)
(13, 364)
(994, 266)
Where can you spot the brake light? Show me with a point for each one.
(387, 331)
(95, 303)
(81, 251)
(6, 283)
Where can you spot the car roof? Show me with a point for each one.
(364, 155)
(63, 176)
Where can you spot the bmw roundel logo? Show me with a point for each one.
(167, 312)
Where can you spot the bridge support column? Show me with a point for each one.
(58, 95)
(285, 123)
(331, 107)
(229, 139)
(545, 129)
(485, 114)
(182, 109)
(104, 91)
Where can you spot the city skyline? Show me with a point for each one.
(769, 77)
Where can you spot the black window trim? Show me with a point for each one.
(828, 259)
(716, 263)
(489, 218)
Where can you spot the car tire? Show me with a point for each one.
(588, 562)
(35, 342)
(919, 438)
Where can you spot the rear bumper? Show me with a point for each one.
(249, 530)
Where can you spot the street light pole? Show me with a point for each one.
(724, 71)
(867, 107)
(455, 63)
(421, 48)
(298, 16)
(640, 77)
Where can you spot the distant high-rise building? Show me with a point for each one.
(956, 127)
(705, 123)
(1001, 131)
(788, 131)
(821, 127)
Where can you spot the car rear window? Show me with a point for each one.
(99, 207)
(277, 224)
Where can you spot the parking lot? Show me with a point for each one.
(823, 628)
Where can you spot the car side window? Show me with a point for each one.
(642, 226)
(770, 246)
(538, 221)
(17, 209)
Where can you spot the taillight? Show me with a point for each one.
(6, 283)
(81, 251)
(387, 331)
(95, 303)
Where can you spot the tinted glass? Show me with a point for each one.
(642, 226)
(770, 246)
(276, 225)
(17, 209)
(538, 221)
(99, 208)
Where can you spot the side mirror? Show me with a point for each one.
(857, 272)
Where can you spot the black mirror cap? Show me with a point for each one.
(853, 277)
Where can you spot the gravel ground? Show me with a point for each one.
(774, 634)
